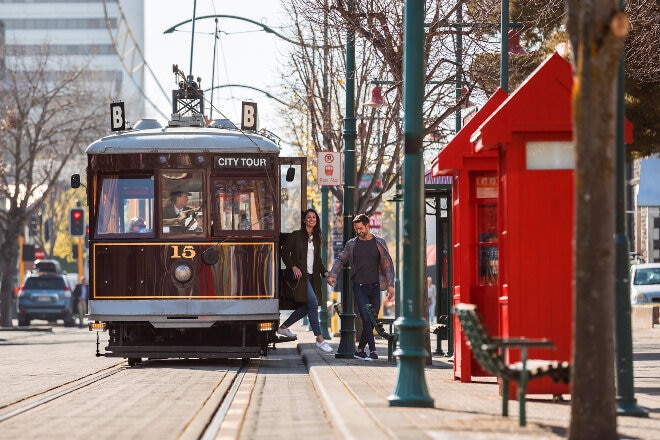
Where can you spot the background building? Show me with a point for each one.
(76, 33)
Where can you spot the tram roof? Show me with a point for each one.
(183, 140)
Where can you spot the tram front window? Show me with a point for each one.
(125, 205)
(242, 205)
(182, 202)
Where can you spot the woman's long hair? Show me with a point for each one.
(316, 230)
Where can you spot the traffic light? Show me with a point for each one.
(77, 222)
(34, 225)
(86, 240)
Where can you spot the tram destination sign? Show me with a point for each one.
(241, 162)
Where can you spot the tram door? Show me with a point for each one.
(293, 192)
(293, 200)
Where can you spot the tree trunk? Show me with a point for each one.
(597, 47)
(8, 262)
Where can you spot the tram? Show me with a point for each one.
(185, 226)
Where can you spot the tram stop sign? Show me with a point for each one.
(39, 254)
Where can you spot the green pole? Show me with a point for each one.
(397, 264)
(323, 313)
(459, 63)
(410, 388)
(347, 316)
(504, 56)
(625, 389)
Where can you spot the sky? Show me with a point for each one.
(246, 55)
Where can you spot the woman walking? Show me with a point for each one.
(301, 253)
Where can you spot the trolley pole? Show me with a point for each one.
(347, 315)
(410, 388)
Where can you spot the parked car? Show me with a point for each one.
(45, 296)
(645, 283)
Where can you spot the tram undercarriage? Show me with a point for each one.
(136, 340)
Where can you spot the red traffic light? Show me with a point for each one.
(77, 222)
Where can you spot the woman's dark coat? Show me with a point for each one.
(294, 253)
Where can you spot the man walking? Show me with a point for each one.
(372, 271)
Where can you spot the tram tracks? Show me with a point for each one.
(112, 394)
(28, 403)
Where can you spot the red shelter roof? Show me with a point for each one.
(451, 157)
(542, 103)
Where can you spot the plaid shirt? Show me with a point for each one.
(386, 272)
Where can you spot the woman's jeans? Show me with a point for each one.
(367, 294)
(311, 309)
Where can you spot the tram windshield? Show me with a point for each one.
(243, 205)
(182, 202)
(126, 205)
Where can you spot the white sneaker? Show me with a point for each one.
(324, 346)
(286, 332)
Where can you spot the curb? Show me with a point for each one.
(347, 413)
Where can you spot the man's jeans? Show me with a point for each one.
(367, 294)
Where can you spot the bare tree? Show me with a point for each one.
(379, 59)
(597, 31)
(48, 118)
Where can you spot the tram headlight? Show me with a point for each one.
(183, 273)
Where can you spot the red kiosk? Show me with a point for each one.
(532, 133)
(517, 173)
(474, 230)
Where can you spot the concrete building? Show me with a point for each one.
(646, 203)
(76, 33)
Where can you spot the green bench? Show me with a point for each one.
(491, 353)
(391, 337)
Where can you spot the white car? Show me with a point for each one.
(645, 283)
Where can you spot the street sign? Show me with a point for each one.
(329, 171)
(39, 254)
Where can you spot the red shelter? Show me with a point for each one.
(517, 173)
(474, 230)
(532, 133)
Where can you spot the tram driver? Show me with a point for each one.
(179, 214)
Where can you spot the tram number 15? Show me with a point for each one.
(187, 252)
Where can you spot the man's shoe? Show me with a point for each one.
(373, 355)
(286, 332)
(324, 346)
(361, 355)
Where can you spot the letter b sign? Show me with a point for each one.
(249, 116)
(117, 118)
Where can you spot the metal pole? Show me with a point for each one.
(323, 314)
(347, 315)
(459, 62)
(397, 264)
(625, 388)
(410, 388)
(504, 56)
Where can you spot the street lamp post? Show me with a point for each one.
(347, 315)
(625, 389)
(410, 388)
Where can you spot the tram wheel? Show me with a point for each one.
(133, 361)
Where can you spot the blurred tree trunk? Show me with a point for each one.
(597, 30)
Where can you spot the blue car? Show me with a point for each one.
(45, 296)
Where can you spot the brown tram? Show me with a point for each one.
(185, 229)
